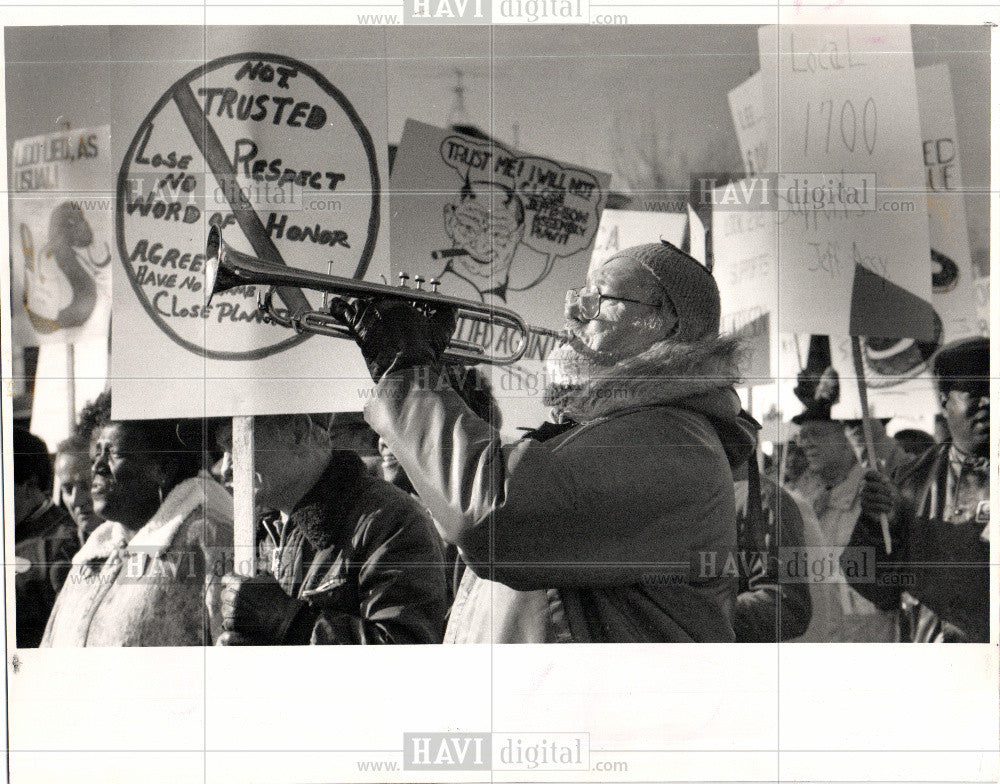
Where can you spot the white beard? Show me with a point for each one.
(570, 366)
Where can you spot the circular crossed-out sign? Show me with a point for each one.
(266, 148)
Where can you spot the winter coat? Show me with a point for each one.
(596, 533)
(837, 510)
(825, 596)
(44, 546)
(363, 558)
(937, 578)
(769, 607)
(158, 586)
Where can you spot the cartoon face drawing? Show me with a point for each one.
(486, 225)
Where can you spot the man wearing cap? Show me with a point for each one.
(351, 559)
(592, 527)
(937, 577)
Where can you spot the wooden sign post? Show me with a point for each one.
(866, 426)
(244, 519)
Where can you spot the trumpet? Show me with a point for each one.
(226, 268)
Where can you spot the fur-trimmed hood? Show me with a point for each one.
(667, 372)
(697, 376)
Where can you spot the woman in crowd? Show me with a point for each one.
(72, 468)
(148, 575)
(72, 485)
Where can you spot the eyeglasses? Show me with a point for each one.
(589, 301)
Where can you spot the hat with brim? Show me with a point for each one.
(817, 411)
(966, 358)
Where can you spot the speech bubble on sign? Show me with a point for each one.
(560, 206)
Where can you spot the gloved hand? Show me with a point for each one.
(233, 638)
(256, 609)
(394, 335)
(879, 496)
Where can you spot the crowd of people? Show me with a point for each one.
(642, 511)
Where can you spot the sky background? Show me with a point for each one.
(578, 93)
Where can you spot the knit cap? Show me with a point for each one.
(690, 287)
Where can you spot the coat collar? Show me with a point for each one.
(696, 376)
(323, 514)
(106, 539)
(667, 372)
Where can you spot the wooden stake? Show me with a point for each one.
(244, 519)
(866, 426)
(798, 352)
(71, 385)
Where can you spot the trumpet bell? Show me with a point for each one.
(219, 276)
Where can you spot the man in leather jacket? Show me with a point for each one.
(352, 559)
(937, 577)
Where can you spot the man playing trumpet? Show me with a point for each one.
(591, 528)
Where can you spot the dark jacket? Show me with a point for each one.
(769, 608)
(44, 546)
(364, 559)
(937, 577)
(595, 533)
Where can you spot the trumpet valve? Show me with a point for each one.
(434, 283)
(403, 278)
(265, 305)
(419, 281)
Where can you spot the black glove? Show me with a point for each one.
(256, 609)
(879, 497)
(394, 335)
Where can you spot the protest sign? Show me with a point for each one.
(86, 362)
(952, 279)
(60, 229)
(492, 224)
(620, 229)
(852, 233)
(496, 226)
(744, 249)
(754, 124)
(287, 156)
(897, 370)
